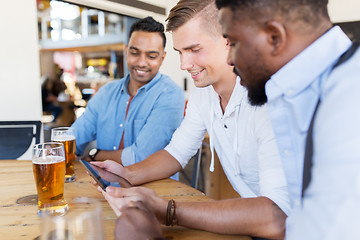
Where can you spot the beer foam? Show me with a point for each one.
(48, 159)
(62, 138)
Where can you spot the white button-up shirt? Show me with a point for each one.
(243, 139)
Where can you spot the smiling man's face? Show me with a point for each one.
(144, 56)
(202, 54)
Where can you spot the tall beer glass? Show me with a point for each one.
(66, 136)
(83, 221)
(49, 173)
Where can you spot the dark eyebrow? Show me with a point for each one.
(149, 52)
(134, 48)
(189, 47)
(152, 52)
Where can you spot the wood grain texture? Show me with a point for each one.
(20, 221)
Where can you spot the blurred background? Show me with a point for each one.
(69, 49)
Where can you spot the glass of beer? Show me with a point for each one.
(49, 173)
(66, 136)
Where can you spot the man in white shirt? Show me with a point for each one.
(240, 133)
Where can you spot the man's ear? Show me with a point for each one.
(163, 56)
(276, 36)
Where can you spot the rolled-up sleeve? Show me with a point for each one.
(85, 126)
(188, 138)
(127, 157)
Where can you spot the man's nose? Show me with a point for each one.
(186, 62)
(142, 60)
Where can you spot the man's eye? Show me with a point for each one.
(152, 56)
(195, 50)
(232, 44)
(134, 53)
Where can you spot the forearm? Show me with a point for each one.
(109, 155)
(245, 216)
(157, 166)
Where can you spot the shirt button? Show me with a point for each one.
(127, 102)
(114, 147)
(121, 125)
(286, 152)
(290, 92)
(297, 203)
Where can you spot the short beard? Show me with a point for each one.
(257, 96)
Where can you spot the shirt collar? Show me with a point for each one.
(235, 99)
(124, 88)
(146, 87)
(299, 73)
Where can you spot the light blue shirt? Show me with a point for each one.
(293, 93)
(154, 114)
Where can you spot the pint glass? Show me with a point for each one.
(66, 136)
(49, 173)
(83, 221)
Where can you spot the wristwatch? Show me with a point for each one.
(93, 152)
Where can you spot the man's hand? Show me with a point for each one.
(111, 166)
(87, 158)
(137, 222)
(121, 197)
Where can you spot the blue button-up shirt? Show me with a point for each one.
(154, 114)
(293, 93)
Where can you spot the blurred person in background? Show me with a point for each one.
(50, 90)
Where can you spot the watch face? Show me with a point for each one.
(92, 152)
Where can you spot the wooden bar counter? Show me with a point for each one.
(18, 210)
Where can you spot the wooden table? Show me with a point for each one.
(20, 221)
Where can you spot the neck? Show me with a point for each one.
(299, 42)
(316, 33)
(224, 88)
(134, 86)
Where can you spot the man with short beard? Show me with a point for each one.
(290, 55)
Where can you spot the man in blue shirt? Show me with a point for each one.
(136, 116)
(285, 52)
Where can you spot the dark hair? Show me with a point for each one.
(307, 11)
(148, 24)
